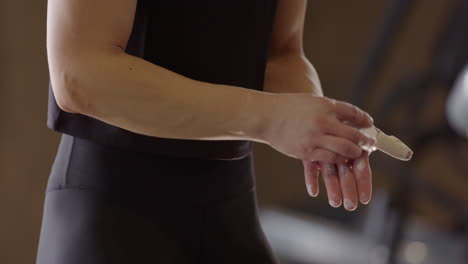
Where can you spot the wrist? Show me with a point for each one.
(259, 110)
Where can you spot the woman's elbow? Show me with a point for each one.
(67, 92)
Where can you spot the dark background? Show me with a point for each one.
(338, 35)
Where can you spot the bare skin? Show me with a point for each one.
(290, 71)
(91, 74)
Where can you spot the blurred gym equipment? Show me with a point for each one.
(387, 231)
(457, 104)
(413, 93)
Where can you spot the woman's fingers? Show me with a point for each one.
(340, 146)
(345, 183)
(363, 175)
(352, 114)
(348, 187)
(340, 129)
(326, 156)
(311, 171)
(332, 184)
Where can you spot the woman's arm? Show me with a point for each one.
(289, 71)
(91, 74)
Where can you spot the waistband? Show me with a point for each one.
(131, 175)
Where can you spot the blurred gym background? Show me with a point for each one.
(400, 60)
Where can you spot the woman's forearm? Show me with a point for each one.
(139, 96)
(291, 73)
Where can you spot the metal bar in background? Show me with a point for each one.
(395, 17)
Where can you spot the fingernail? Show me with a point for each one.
(309, 190)
(334, 204)
(363, 198)
(316, 194)
(349, 205)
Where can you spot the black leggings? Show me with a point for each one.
(109, 205)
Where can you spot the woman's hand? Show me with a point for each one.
(346, 183)
(311, 128)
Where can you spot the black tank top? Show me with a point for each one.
(217, 41)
